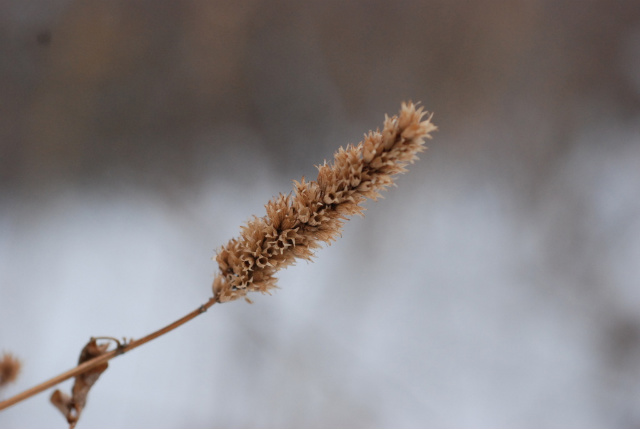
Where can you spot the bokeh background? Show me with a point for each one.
(497, 286)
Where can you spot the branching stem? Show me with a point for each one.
(104, 357)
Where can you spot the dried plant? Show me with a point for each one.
(293, 227)
(295, 224)
(72, 406)
(9, 369)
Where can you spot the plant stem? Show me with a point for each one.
(104, 357)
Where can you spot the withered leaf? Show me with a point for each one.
(72, 406)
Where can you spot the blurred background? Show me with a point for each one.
(497, 286)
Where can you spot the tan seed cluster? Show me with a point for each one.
(296, 224)
(9, 369)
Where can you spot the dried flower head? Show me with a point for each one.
(295, 224)
(9, 369)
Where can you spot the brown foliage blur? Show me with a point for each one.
(131, 87)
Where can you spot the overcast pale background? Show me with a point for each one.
(497, 286)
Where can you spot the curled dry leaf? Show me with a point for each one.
(72, 406)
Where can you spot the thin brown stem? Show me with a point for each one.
(104, 357)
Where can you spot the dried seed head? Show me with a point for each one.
(9, 369)
(296, 224)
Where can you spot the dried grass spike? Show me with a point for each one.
(296, 224)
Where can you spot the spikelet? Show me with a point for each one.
(296, 224)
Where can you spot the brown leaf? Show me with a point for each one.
(72, 406)
(62, 401)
